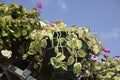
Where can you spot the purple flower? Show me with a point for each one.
(116, 57)
(39, 7)
(105, 50)
(94, 57)
(52, 23)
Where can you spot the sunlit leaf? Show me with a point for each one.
(96, 49)
(116, 77)
(77, 68)
(55, 62)
(71, 44)
(17, 34)
(4, 33)
(98, 66)
(79, 43)
(70, 60)
(81, 53)
(60, 56)
(64, 66)
(56, 50)
(86, 30)
(24, 56)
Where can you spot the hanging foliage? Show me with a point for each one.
(58, 52)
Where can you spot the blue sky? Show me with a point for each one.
(102, 16)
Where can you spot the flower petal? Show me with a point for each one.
(94, 57)
(107, 51)
(52, 23)
(39, 5)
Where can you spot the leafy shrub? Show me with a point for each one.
(55, 51)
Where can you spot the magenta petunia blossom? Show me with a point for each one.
(39, 7)
(116, 57)
(94, 57)
(105, 50)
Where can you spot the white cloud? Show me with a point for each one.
(33, 1)
(113, 34)
(62, 4)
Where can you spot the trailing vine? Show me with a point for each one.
(55, 51)
(77, 42)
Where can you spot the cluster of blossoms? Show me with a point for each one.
(94, 57)
(76, 51)
(53, 23)
(116, 57)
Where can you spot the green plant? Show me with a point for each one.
(108, 69)
(65, 47)
(16, 23)
(55, 51)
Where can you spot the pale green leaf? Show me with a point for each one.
(77, 68)
(56, 50)
(79, 43)
(4, 33)
(86, 30)
(24, 56)
(96, 49)
(81, 53)
(97, 66)
(69, 44)
(70, 60)
(64, 66)
(35, 66)
(17, 34)
(55, 62)
(116, 78)
(60, 56)
(24, 32)
(43, 43)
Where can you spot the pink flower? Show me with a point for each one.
(116, 57)
(94, 57)
(52, 23)
(39, 7)
(105, 50)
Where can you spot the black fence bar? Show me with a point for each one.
(14, 71)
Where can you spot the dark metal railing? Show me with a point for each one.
(11, 72)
